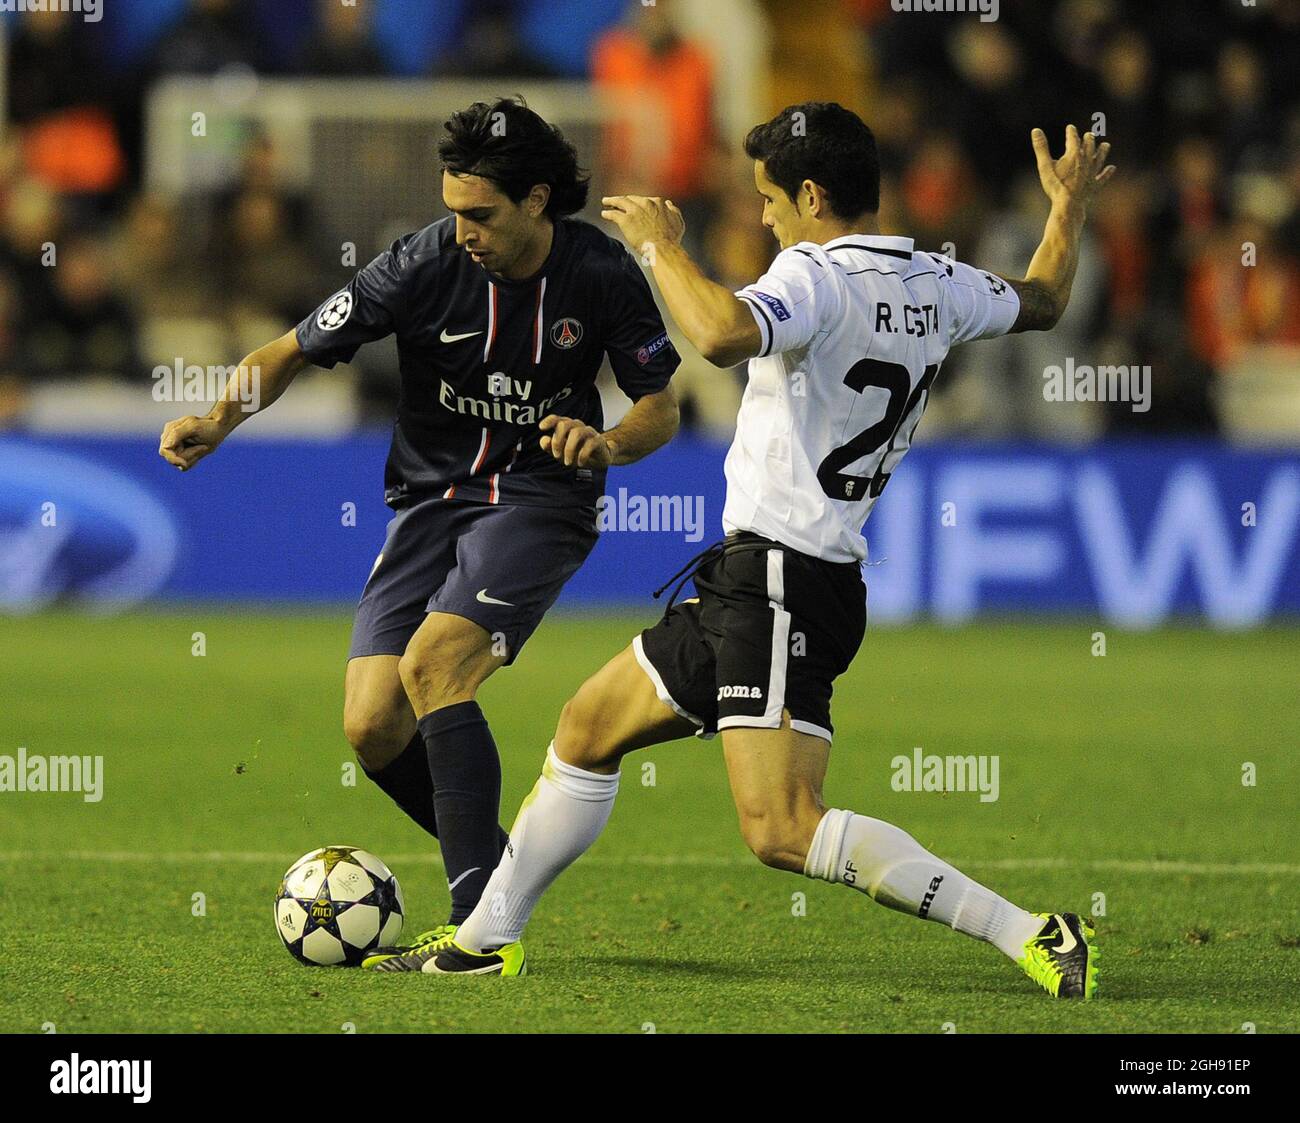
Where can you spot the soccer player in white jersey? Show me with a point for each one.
(844, 335)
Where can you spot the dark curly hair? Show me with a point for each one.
(507, 143)
(826, 143)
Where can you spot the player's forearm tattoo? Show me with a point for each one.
(1039, 308)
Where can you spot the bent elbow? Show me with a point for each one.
(723, 353)
(672, 420)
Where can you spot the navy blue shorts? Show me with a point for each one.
(500, 566)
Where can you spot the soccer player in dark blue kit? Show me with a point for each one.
(503, 313)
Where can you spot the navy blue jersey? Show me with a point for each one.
(484, 359)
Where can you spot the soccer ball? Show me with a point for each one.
(337, 903)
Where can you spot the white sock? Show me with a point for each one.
(895, 870)
(557, 822)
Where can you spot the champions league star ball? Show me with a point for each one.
(336, 904)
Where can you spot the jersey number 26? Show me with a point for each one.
(896, 379)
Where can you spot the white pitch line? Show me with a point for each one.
(251, 857)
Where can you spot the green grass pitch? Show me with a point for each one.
(1119, 775)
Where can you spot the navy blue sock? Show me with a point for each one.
(466, 773)
(406, 781)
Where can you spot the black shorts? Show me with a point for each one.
(499, 566)
(771, 630)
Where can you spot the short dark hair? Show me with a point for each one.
(826, 143)
(506, 142)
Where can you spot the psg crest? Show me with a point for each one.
(565, 333)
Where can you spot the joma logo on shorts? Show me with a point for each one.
(739, 692)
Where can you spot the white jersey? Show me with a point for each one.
(853, 334)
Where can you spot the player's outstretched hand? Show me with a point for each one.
(187, 440)
(1077, 176)
(574, 443)
(644, 220)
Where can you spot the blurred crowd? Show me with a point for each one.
(1192, 264)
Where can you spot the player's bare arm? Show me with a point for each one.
(1070, 183)
(710, 315)
(187, 440)
(650, 424)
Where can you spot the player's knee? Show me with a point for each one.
(434, 672)
(581, 737)
(419, 673)
(375, 737)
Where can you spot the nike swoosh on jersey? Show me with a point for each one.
(445, 338)
(483, 598)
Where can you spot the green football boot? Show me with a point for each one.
(423, 940)
(446, 957)
(449, 958)
(1060, 958)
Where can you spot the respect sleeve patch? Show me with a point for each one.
(651, 349)
(779, 310)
